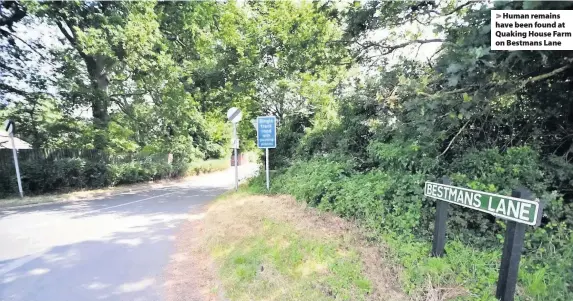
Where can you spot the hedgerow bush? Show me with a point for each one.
(312, 181)
(388, 200)
(67, 174)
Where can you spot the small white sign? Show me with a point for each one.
(9, 126)
(234, 115)
(235, 143)
(532, 29)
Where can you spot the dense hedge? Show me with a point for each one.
(389, 201)
(66, 174)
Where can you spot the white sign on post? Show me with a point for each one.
(235, 143)
(9, 127)
(234, 115)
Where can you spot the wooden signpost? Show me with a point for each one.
(519, 210)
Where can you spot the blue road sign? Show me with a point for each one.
(267, 132)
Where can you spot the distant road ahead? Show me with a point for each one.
(110, 249)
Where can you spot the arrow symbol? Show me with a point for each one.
(497, 15)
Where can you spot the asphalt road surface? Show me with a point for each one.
(114, 248)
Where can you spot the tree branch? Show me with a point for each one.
(18, 14)
(10, 69)
(546, 75)
(454, 138)
(130, 94)
(458, 8)
(519, 84)
(11, 89)
(26, 43)
(71, 37)
(391, 49)
(65, 32)
(387, 49)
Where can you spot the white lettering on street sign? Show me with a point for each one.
(506, 207)
(267, 132)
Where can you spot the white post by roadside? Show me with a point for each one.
(267, 165)
(236, 161)
(234, 115)
(9, 125)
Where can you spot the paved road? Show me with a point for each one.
(110, 249)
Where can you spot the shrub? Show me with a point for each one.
(67, 174)
(312, 181)
(389, 202)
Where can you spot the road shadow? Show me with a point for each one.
(114, 263)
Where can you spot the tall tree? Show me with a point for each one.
(115, 43)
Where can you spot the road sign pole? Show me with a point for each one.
(508, 270)
(236, 162)
(267, 165)
(14, 152)
(267, 138)
(234, 115)
(439, 241)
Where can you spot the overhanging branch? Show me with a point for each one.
(388, 49)
(518, 84)
(11, 89)
(25, 43)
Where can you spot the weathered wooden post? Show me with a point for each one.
(519, 210)
(439, 241)
(512, 246)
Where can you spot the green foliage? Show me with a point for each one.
(158, 78)
(199, 167)
(63, 174)
(390, 203)
(311, 181)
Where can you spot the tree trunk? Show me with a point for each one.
(100, 102)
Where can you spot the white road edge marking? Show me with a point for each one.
(128, 203)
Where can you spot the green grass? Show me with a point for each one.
(471, 274)
(463, 273)
(200, 167)
(277, 263)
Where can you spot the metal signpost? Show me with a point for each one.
(9, 127)
(267, 138)
(519, 210)
(235, 115)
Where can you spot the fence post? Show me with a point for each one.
(439, 241)
(512, 246)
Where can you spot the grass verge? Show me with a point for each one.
(277, 249)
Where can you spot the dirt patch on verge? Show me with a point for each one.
(192, 273)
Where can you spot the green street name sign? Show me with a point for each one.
(510, 208)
